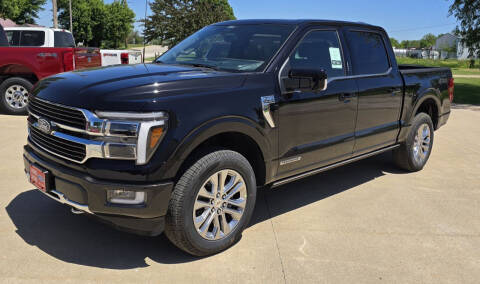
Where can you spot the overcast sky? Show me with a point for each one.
(406, 19)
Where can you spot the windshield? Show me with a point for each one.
(242, 48)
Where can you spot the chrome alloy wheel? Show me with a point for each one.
(16, 96)
(220, 204)
(421, 145)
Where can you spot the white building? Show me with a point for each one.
(447, 41)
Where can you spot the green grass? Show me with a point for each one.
(465, 71)
(467, 91)
(452, 63)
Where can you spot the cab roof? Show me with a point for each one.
(297, 22)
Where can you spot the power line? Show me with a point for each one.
(422, 28)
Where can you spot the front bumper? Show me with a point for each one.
(86, 194)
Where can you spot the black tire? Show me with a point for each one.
(4, 105)
(404, 156)
(180, 228)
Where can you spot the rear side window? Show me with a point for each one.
(63, 39)
(32, 38)
(369, 55)
(13, 38)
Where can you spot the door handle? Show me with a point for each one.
(343, 97)
(394, 91)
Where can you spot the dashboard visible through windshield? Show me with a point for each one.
(237, 48)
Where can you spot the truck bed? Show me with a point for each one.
(406, 69)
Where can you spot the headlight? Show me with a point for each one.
(129, 135)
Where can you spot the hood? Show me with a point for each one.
(139, 87)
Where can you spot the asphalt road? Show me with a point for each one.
(363, 223)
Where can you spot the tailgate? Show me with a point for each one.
(87, 57)
(134, 57)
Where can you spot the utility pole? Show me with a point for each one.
(144, 28)
(54, 8)
(70, 8)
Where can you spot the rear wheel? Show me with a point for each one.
(413, 154)
(212, 203)
(14, 95)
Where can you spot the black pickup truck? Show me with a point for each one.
(181, 145)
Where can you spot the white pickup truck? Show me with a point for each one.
(115, 57)
(48, 37)
(39, 37)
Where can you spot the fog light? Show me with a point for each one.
(120, 151)
(120, 196)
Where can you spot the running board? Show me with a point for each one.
(332, 166)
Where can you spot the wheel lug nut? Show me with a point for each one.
(218, 195)
(224, 196)
(212, 201)
(213, 210)
(219, 211)
(224, 204)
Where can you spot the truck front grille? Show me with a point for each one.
(63, 148)
(60, 114)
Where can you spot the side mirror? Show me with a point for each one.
(306, 80)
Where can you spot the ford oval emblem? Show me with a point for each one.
(44, 126)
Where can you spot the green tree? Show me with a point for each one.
(134, 37)
(174, 20)
(410, 44)
(88, 20)
(21, 11)
(118, 24)
(428, 41)
(395, 43)
(467, 13)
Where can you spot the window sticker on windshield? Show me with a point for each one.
(335, 57)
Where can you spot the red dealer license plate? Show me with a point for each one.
(38, 178)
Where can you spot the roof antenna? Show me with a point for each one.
(144, 28)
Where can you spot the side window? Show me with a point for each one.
(63, 39)
(13, 37)
(319, 50)
(368, 53)
(32, 38)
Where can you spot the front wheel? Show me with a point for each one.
(14, 95)
(413, 154)
(211, 204)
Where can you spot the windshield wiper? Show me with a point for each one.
(203, 65)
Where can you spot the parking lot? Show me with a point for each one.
(365, 222)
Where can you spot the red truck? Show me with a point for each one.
(21, 67)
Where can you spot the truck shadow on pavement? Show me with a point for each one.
(50, 226)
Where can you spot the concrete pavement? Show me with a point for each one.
(366, 222)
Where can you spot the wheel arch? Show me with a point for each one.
(428, 102)
(234, 133)
(18, 70)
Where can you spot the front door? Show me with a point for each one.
(317, 128)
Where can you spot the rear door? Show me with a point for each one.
(317, 128)
(380, 89)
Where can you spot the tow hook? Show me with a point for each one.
(77, 212)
